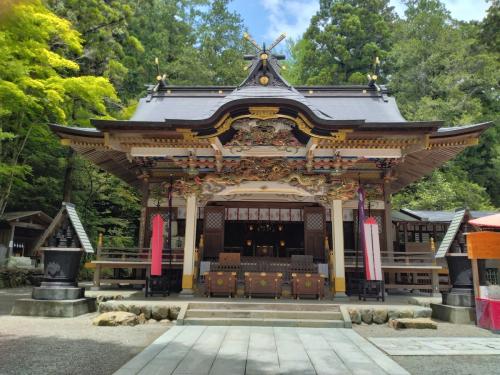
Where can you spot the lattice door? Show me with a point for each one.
(213, 223)
(314, 232)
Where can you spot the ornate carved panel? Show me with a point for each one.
(270, 132)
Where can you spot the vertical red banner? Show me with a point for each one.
(156, 245)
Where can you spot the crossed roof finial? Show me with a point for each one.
(263, 49)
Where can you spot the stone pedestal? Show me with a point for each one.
(55, 309)
(57, 293)
(453, 314)
(459, 297)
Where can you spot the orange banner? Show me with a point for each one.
(483, 245)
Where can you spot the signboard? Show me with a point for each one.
(450, 234)
(483, 245)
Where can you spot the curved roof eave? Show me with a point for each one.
(444, 132)
(72, 130)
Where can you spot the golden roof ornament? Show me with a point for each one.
(264, 67)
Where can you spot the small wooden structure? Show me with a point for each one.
(19, 232)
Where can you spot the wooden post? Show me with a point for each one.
(144, 210)
(475, 278)
(10, 250)
(435, 273)
(389, 235)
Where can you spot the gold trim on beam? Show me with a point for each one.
(263, 113)
(267, 113)
(187, 134)
(462, 142)
(65, 142)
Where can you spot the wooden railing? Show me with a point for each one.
(135, 254)
(395, 258)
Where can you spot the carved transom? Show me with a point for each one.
(270, 132)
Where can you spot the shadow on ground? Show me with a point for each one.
(52, 355)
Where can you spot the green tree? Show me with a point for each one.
(220, 37)
(108, 45)
(39, 85)
(445, 189)
(342, 42)
(441, 71)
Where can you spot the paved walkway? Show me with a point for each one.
(217, 350)
(438, 345)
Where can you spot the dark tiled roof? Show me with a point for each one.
(440, 216)
(353, 103)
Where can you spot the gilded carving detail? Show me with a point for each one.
(274, 132)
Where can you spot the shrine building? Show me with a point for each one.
(267, 170)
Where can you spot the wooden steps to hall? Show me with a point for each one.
(263, 314)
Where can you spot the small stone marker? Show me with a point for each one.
(416, 323)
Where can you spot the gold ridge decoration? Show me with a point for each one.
(263, 113)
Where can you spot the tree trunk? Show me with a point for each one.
(68, 176)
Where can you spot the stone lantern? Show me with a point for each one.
(62, 245)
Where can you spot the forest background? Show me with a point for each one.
(67, 61)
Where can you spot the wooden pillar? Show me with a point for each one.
(389, 232)
(144, 211)
(338, 248)
(435, 273)
(10, 250)
(97, 277)
(189, 245)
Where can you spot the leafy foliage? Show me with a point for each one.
(67, 61)
(442, 72)
(342, 41)
(38, 85)
(438, 69)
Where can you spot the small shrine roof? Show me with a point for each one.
(439, 216)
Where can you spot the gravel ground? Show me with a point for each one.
(456, 365)
(74, 346)
(69, 345)
(64, 346)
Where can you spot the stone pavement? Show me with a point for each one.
(412, 346)
(221, 350)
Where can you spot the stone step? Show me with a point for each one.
(293, 306)
(263, 314)
(313, 323)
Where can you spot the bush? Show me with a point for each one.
(15, 277)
